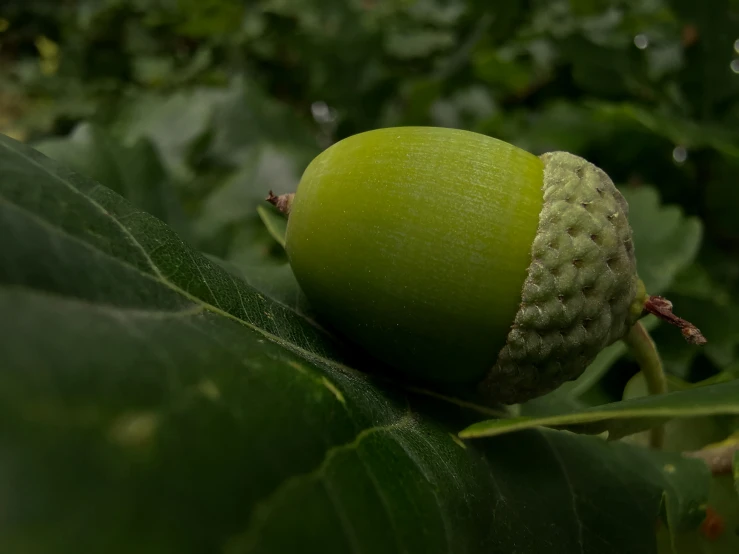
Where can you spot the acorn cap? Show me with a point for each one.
(582, 291)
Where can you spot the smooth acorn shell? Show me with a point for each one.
(414, 243)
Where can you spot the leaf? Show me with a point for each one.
(620, 419)
(135, 172)
(275, 223)
(173, 123)
(722, 197)
(721, 537)
(233, 219)
(246, 121)
(685, 433)
(665, 241)
(408, 44)
(237, 198)
(678, 129)
(150, 401)
(689, 434)
(706, 79)
(209, 17)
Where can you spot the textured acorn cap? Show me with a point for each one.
(582, 291)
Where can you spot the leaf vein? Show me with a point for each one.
(573, 499)
(126, 230)
(263, 509)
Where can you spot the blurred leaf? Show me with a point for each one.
(696, 281)
(247, 120)
(722, 198)
(173, 123)
(665, 240)
(601, 70)
(723, 539)
(135, 172)
(236, 199)
(678, 129)
(493, 67)
(707, 77)
(719, 324)
(416, 44)
(274, 222)
(210, 17)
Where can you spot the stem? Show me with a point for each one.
(662, 308)
(643, 349)
(282, 202)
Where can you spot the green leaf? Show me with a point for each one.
(135, 172)
(620, 419)
(237, 198)
(691, 434)
(678, 129)
(246, 121)
(209, 17)
(151, 401)
(408, 44)
(722, 537)
(685, 433)
(233, 218)
(171, 122)
(665, 241)
(274, 222)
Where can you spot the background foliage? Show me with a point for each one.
(192, 110)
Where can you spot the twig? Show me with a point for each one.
(283, 202)
(662, 308)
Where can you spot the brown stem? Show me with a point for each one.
(662, 308)
(283, 202)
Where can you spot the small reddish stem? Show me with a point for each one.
(283, 202)
(662, 308)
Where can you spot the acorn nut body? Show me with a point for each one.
(458, 258)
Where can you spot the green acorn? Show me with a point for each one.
(458, 258)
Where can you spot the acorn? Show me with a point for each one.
(460, 259)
